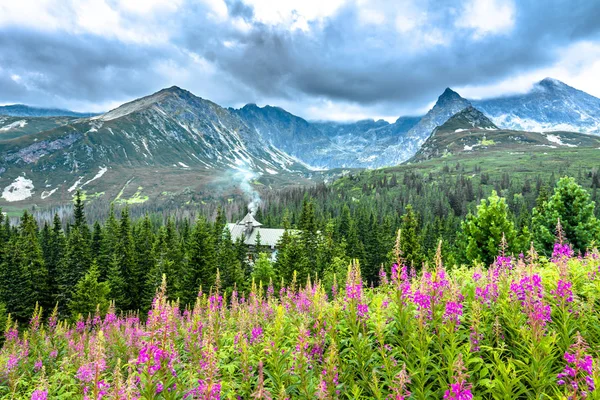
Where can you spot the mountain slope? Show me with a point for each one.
(469, 133)
(14, 127)
(21, 110)
(448, 104)
(550, 106)
(290, 133)
(169, 131)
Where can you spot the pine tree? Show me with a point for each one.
(117, 284)
(201, 267)
(24, 277)
(78, 257)
(483, 232)
(572, 205)
(97, 239)
(263, 270)
(125, 254)
(108, 246)
(145, 261)
(410, 238)
(90, 294)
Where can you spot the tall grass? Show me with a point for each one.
(521, 328)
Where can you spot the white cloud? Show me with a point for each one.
(487, 17)
(99, 17)
(578, 66)
(287, 12)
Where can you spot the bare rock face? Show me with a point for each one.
(550, 106)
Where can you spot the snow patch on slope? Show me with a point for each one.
(97, 176)
(46, 194)
(557, 139)
(20, 189)
(77, 182)
(16, 124)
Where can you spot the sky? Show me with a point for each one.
(319, 59)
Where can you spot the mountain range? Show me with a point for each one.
(142, 145)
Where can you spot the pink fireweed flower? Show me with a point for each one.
(453, 313)
(12, 363)
(11, 334)
(460, 389)
(85, 373)
(353, 284)
(383, 279)
(530, 292)
(400, 387)
(563, 292)
(205, 391)
(487, 294)
(38, 365)
(39, 395)
(423, 303)
(362, 310)
(475, 338)
(151, 356)
(503, 263)
(578, 376)
(561, 252)
(257, 333)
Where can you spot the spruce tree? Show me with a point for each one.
(108, 246)
(572, 205)
(24, 275)
(263, 270)
(125, 255)
(483, 231)
(78, 257)
(201, 267)
(144, 261)
(410, 238)
(227, 262)
(89, 294)
(76, 263)
(117, 284)
(97, 239)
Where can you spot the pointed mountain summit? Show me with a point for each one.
(470, 133)
(550, 105)
(468, 119)
(449, 96)
(448, 104)
(170, 130)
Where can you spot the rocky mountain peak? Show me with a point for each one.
(469, 118)
(448, 96)
(551, 83)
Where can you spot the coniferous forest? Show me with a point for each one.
(174, 308)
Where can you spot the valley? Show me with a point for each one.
(175, 148)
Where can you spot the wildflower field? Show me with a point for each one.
(524, 327)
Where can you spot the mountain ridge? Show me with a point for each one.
(23, 110)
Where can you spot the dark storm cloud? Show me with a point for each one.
(338, 58)
(348, 61)
(56, 67)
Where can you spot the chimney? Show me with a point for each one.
(248, 230)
